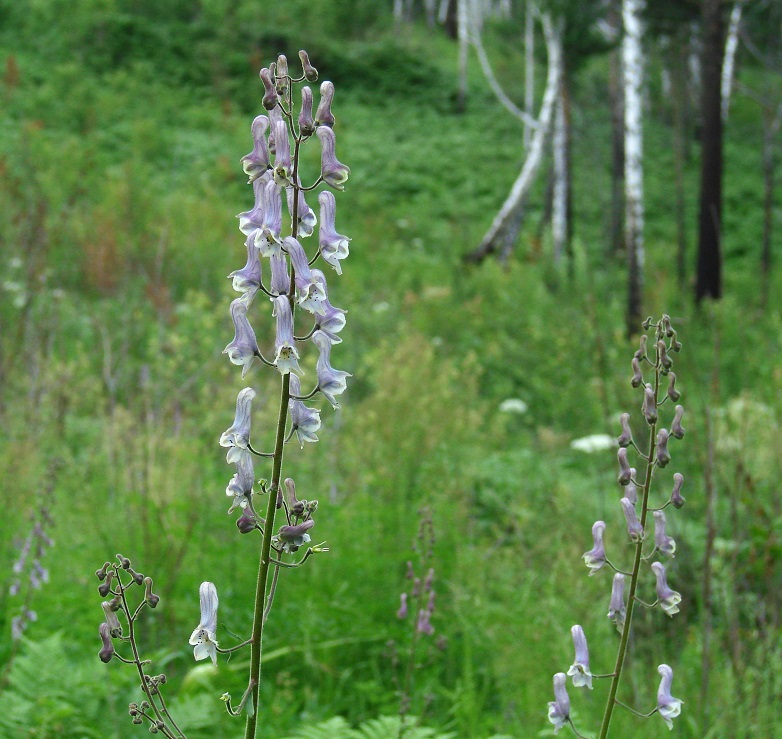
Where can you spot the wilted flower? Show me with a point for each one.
(667, 706)
(595, 558)
(203, 637)
(669, 599)
(579, 670)
(559, 708)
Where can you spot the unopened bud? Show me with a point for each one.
(138, 578)
(105, 587)
(638, 376)
(306, 121)
(245, 523)
(631, 491)
(123, 561)
(149, 596)
(626, 437)
(663, 455)
(649, 407)
(290, 486)
(310, 73)
(281, 74)
(676, 426)
(676, 495)
(641, 351)
(323, 115)
(665, 325)
(647, 323)
(662, 354)
(107, 652)
(101, 573)
(673, 393)
(676, 346)
(625, 471)
(634, 528)
(270, 95)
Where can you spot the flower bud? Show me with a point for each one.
(245, 523)
(676, 426)
(107, 652)
(673, 393)
(402, 612)
(649, 406)
(641, 351)
(616, 608)
(665, 544)
(676, 496)
(105, 587)
(115, 627)
(595, 558)
(281, 74)
(625, 471)
(306, 121)
(663, 455)
(101, 573)
(626, 437)
(123, 561)
(290, 486)
(334, 173)
(634, 528)
(662, 354)
(149, 596)
(138, 578)
(270, 94)
(631, 490)
(323, 115)
(310, 73)
(638, 376)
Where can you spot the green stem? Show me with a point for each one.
(625, 639)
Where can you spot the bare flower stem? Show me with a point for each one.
(631, 599)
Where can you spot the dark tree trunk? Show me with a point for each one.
(768, 204)
(680, 134)
(708, 283)
(451, 25)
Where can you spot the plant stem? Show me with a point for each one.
(623, 642)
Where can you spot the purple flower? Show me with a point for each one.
(595, 558)
(240, 487)
(663, 455)
(634, 528)
(332, 321)
(203, 638)
(579, 670)
(667, 706)
(676, 495)
(280, 281)
(333, 246)
(290, 538)
(631, 491)
(625, 471)
(238, 435)
(323, 115)
(310, 293)
(331, 382)
(402, 612)
(115, 627)
(649, 406)
(267, 236)
(248, 278)
(256, 162)
(270, 94)
(244, 348)
(310, 73)
(626, 437)
(334, 173)
(669, 599)
(672, 392)
(305, 215)
(251, 220)
(306, 122)
(665, 544)
(107, 652)
(559, 708)
(286, 355)
(676, 425)
(616, 608)
(283, 166)
(423, 626)
(305, 421)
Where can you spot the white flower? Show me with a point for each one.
(593, 443)
(203, 638)
(513, 405)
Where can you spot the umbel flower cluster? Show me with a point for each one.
(655, 381)
(279, 281)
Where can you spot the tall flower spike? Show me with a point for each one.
(305, 421)
(331, 382)
(634, 528)
(579, 670)
(667, 706)
(286, 355)
(323, 115)
(595, 558)
(239, 433)
(334, 173)
(333, 246)
(283, 166)
(256, 162)
(248, 278)
(616, 608)
(669, 599)
(244, 347)
(559, 708)
(665, 544)
(676, 495)
(203, 638)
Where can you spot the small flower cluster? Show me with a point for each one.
(658, 393)
(29, 573)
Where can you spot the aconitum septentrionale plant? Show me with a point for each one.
(294, 288)
(656, 384)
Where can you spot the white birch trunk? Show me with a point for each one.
(398, 11)
(529, 68)
(430, 8)
(442, 12)
(463, 32)
(729, 61)
(560, 194)
(522, 185)
(632, 62)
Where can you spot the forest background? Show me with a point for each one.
(121, 128)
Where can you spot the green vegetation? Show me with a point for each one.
(121, 133)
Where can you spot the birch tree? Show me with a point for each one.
(632, 69)
(729, 62)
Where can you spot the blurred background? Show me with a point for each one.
(477, 358)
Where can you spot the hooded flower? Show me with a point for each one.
(616, 608)
(238, 435)
(323, 115)
(256, 162)
(665, 544)
(667, 706)
(579, 670)
(280, 281)
(306, 121)
(331, 382)
(283, 165)
(267, 235)
(203, 637)
(305, 421)
(559, 708)
(306, 216)
(241, 486)
(595, 558)
(290, 538)
(634, 528)
(333, 246)
(669, 599)
(334, 173)
(248, 278)
(310, 293)
(332, 320)
(286, 355)
(244, 347)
